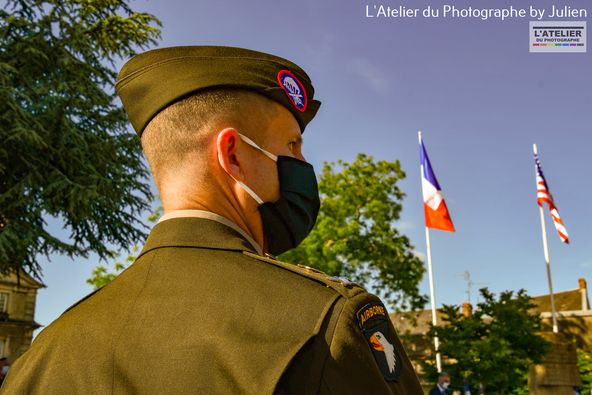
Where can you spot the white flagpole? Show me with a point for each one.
(432, 291)
(547, 259)
(433, 299)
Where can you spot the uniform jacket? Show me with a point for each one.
(199, 312)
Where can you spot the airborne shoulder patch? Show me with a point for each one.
(374, 324)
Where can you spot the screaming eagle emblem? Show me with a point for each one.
(379, 343)
(374, 323)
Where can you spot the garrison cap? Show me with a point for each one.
(153, 80)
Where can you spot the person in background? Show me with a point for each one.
(442, 385)
(4, 365)
(466, 387)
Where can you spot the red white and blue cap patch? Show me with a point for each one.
(294, 89)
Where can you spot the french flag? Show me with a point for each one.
(436, 212)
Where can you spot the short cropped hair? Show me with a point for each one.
(183, 131)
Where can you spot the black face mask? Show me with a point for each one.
(290, 219)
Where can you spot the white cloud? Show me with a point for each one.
(377, 78)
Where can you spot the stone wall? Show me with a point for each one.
(558, 373)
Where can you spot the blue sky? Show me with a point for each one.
(473, 89)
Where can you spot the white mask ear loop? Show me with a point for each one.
(249, 191)
(254, 145)
(242, 184)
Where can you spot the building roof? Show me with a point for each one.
(418, 322)
(415, 321)
(23, 280)
(564, 301)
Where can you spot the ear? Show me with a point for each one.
(227, 147)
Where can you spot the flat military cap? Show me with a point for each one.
(153, 80)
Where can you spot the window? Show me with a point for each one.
(4, 302)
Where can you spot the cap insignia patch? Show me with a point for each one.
(294, 89)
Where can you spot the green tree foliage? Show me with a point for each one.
(356, 236)
(585, 366)
(494, 345)
(66, 150)
(102, 275)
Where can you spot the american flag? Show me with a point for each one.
(544, 196)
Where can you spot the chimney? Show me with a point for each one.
(467, 309)
(584, 292)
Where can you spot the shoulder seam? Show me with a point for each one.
(82, 300)
(347, 291)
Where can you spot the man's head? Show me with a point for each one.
(193, 141)
(181, 140)
(443, 379)
(194, 147)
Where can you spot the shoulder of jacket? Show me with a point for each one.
(82, 300)
(344, 287)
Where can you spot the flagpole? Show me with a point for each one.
(433, 299)
(547, 257)
(432, 291)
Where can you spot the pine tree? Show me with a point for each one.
(66, 150)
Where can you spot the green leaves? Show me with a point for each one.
(585, 366)
(101, 274)
(494, 345)
(355, 235)
(66, 151)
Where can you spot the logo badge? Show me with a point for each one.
(294, 89)
(374, 323)
(567, 36)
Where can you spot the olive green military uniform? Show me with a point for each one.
(200, 312)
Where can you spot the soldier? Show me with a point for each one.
(206, 309)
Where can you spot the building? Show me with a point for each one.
(573, 315)
(412, 328)
(18, 295)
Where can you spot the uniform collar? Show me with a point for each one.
(214, 217)
(199, 231)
